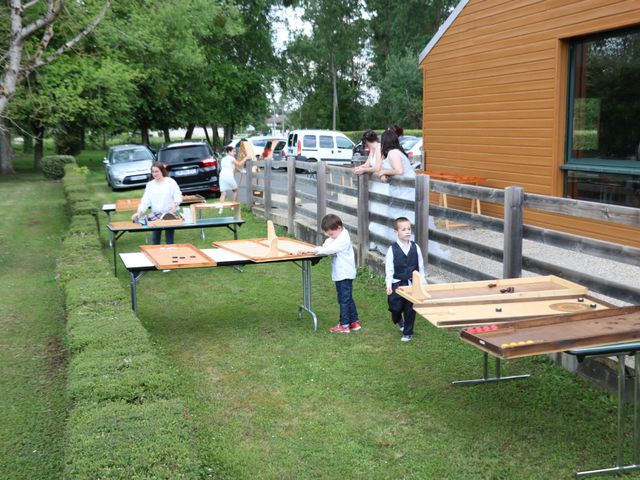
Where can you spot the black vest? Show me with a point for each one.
(404, 265)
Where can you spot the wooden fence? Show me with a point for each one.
(308, 196)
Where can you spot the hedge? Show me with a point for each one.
(129, 441)
(125, 420)
(53, 166)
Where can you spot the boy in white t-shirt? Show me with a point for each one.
(343, 271)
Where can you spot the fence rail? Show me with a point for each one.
(334, 188)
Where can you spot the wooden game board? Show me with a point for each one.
(166, 223)
(263, 250)
(182, 255)
(125, 225)
(126, 205)
(557, 333)
(462, 314)
(489, 290)
(198, 208)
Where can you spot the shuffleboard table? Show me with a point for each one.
(118, 229)
(137, 263)
(612, 332)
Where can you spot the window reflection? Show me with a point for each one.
(605, 188)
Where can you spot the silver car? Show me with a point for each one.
(127, 166)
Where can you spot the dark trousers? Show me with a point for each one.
(348, 310)
(401, 309)
(156, 236)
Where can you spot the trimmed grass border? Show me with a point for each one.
(126, 420)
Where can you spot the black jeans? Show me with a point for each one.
(156, 234)
(401, 309)
(348, 310)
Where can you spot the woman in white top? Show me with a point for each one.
(228, 166)
(163, 195)
(374, 160)
(395, 164)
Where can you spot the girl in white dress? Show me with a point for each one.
(227, 180)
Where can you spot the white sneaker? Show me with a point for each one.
(406, 338)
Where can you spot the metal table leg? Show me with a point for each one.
(133, 279)
(485, 374)
(620, 467)
(306, 293)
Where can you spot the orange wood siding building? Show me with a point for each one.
(495, 96)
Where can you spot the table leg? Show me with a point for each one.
(620, 467)
(133, 279)
(306, 294)
(485, 374)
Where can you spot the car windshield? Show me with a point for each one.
(131, 155)
(183, 154)
(408, 142)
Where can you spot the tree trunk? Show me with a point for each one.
(38, 152)
(228, 133)
(27, 145)
(334, 80)
(206, 135)
(144, 134)
(188, 135)
(6, 152)
(167, 137)
(216, 137)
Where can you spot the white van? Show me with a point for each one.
(326, 145)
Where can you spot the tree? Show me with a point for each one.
(323, 67)
(22, 55)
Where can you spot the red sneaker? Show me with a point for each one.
(339, 329)
(355, 326)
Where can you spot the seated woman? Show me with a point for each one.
(163, 195)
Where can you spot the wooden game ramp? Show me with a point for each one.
(181, 255)
(462, 314)
(263, 250)
(128, 204)
(494, 290)
(557, 333)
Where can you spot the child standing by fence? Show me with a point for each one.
(343, 270)
(403, 258)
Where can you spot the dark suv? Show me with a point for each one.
(192, 164)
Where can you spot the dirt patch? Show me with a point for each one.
(57, 356)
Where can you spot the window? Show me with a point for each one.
(603, 157)
(344, 142)
(326, 141)
(309, 141)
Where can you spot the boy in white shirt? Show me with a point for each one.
(343, 271)
(403, 258)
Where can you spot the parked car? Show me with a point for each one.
(360, 149)
(192, 164)
(326, 145)
(127, 166)
(413, 148)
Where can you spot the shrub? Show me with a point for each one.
(123, 441)
(53, 166)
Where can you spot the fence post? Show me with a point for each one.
(321, 184)
(249, 168)
(291, 193)
(363, 219)
(266, 193)
(513, 232)
(423, 186)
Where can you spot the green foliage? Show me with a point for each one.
(118, 441)
(118, 374)
(125, 421)
(53, 166)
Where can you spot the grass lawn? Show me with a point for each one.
(272, 399)
(32, 358)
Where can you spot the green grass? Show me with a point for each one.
(32, 353)
(270, 397)
(273, 399)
